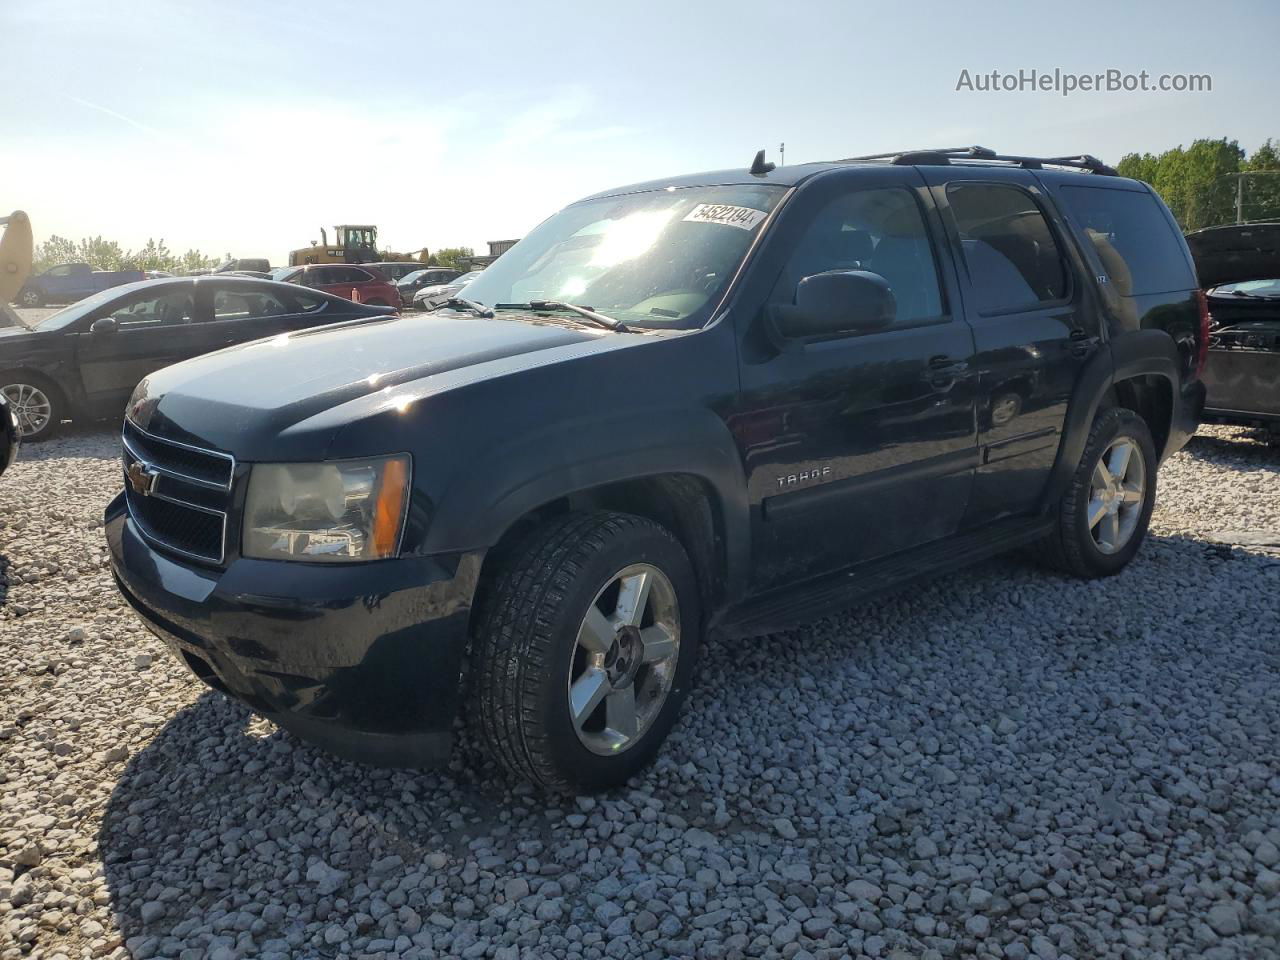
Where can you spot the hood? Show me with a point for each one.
(9, 333)
(1235, 253)
(258, 395)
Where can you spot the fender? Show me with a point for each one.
(569, 457)
(1132, 354)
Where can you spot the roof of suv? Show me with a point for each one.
(797, 173)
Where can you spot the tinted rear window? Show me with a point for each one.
(1139, 250)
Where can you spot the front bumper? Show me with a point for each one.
(1187, 413)
(361, 659)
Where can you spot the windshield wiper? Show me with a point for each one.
(546, 305)
(461, 303)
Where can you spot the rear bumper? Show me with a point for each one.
(363, 660)
(1187, 413)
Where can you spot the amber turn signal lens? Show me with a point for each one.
(389, 510)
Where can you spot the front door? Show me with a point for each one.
(154, 327)
(856, 446)
(1034, 329)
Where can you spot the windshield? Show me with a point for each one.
(657, 259)
(279, 273)
(1252, 288)
(411, 277)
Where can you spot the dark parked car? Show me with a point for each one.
(244, 265)
(1239, 266)
(431, 295)
(411, 283)
(726, 402)
(69, 282)
(341, 279)
(10, 434)
(85, 360)
(397, 270)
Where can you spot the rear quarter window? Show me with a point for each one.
(1132, 237)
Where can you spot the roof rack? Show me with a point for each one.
(944, 155)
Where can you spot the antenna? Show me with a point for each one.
(782, 154)
(759, 166)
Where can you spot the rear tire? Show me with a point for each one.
(558, 646)
(36, 402)
(1102, 519)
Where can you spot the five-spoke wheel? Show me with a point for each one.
(625, 659)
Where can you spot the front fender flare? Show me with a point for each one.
(513, 478)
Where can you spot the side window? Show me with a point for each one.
(167, 309)
(880, 230)
(63, 271)
(309, 302)
(1138, 249)
(1013, 260)
(241, 303)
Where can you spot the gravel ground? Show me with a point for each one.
(1002, 764)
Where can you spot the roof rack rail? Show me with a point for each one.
(944, 155)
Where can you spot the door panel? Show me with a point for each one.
(856, 446)
(1034, 329)
(155, 329)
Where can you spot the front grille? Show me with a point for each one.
(178, 495)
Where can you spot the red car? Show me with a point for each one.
(362, 282)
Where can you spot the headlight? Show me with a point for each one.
(339, 511)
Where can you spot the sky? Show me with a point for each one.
(243, 127)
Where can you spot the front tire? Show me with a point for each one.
(584, 650)
(1102, 518)
(30, 297)
(36, 402)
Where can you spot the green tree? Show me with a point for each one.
(52, 252)
(455, 258)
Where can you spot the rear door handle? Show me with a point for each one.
(1081, 343)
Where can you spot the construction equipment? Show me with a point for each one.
(353, 243)
(15, 259)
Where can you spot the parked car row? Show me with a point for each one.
(729, 401)
(69, 282)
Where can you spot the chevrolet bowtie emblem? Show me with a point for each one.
(141, 479)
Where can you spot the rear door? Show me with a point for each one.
(156, 326)
(244, 311)
(1034, 326)
(861, 445)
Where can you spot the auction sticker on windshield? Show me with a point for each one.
(744, 218)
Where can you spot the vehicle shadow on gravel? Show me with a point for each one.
(1239, 448)
(903, 732)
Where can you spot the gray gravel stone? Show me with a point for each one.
(1001, 763)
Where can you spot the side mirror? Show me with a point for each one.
(104, 325)
(838, 301)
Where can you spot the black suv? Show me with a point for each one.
(721, 403)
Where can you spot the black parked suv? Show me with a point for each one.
(716, 404)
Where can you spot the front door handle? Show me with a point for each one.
(945, 371)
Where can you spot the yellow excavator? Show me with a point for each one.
(15, 259)
(353, 243)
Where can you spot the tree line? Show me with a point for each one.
(104, 254)
(1212, 181)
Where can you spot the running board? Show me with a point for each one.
(790, 606)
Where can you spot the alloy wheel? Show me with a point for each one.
(624, 661)
(31, 406)
(1117, 492)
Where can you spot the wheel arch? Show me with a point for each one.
(1140, 370)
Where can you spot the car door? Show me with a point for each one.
(861, 445)
(151, 328)
(1034, 328)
